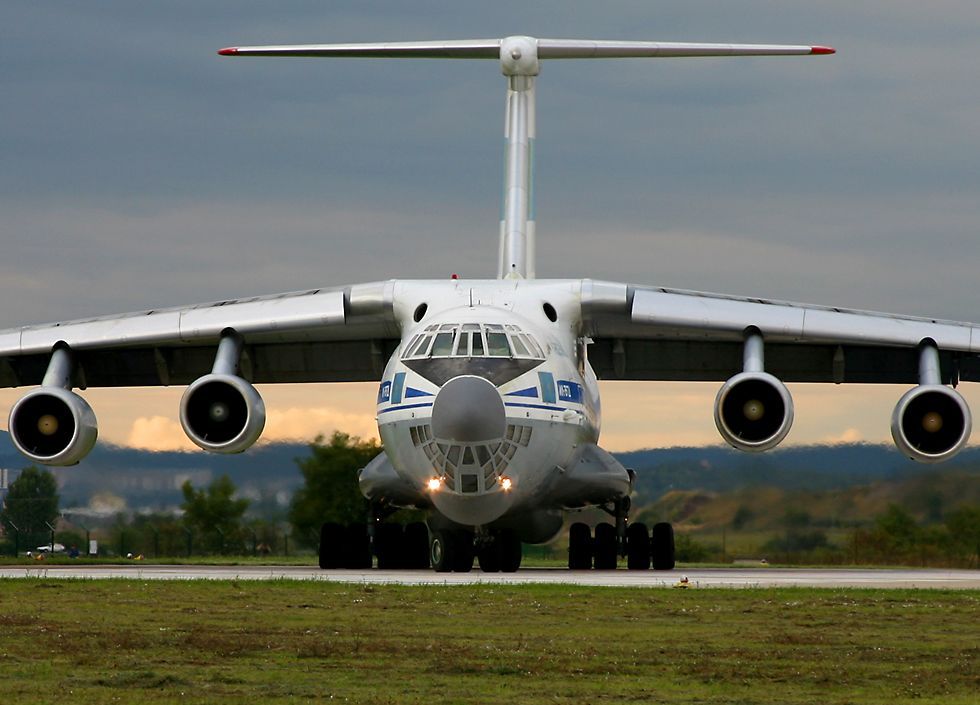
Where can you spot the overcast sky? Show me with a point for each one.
(139, 169)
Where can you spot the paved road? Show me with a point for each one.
(715, 577)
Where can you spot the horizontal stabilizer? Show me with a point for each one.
(547, 49)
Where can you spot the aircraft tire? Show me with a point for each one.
(509, 551)
(579, 546)
(417, 545)
(331, 546)
(662, 550)
(441, 551)
(604, 557)
(489, 557)
(637, 547)
(463, 551)
(356, 547)
(389, 546)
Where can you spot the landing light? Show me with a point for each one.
(434, 484)
(505, 484)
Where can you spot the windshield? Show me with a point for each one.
(473, 340)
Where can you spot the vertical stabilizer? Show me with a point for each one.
(519, 61)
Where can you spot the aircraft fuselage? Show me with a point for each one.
(485, 402)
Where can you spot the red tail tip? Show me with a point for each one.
(822, 50)
(230, 51)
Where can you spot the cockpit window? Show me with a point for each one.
(443, 346)
(497, 343)
(421, 348)
(473, 340)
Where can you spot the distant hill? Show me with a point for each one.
(929, 496)
(146, 481)
(719, 469)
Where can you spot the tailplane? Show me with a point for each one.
(520, 59)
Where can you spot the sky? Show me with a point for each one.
(138, 169)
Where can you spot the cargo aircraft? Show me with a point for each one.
(488, 403)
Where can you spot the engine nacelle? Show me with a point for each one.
(931, 423)
(753, 411)
(222, 413)
(53, 426)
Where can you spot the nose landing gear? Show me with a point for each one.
(499, 551)
(451, 550)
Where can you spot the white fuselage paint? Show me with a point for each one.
(557, 398)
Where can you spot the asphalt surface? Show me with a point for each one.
(714, 577)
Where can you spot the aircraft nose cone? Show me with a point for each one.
(468, 409)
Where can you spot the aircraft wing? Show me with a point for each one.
(321, 335)
(650, 333)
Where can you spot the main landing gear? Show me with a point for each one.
(411, 547)
(642, 549)
(453, 550)
(395, 546)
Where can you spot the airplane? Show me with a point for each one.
(488, 403)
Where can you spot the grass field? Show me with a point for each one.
(225, 642)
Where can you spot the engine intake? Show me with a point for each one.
(931, 423)
(53, 426)
(753, 411)
(222, 413)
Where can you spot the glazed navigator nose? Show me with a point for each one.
(468, 409)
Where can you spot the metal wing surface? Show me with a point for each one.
(321, 335)
(649, 333)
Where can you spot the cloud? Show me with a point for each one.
(305, 423)
(158, 433)
(294, 424)
(850, 435)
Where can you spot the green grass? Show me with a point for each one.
(276, 642)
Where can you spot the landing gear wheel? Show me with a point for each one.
(579, 546)
(389, 546)
(331, 546)
(356, 547)
(604, 557)
(416, 543)
(451, 551)
(509, 551)
(637, 547)
(463, 551)
(489, 557)
(663, 546)
(440, 551)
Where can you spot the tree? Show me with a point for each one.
(964, 531)
(214, 510)
(743, 515)
(330, 492)
(898, 529)
(31, 503)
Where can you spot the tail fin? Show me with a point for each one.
(519, 60)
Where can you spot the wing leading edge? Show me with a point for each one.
(320, 335)
(647, 333)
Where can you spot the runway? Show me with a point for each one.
(698, 577)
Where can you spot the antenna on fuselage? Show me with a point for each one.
(519, 58)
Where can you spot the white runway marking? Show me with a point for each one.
(714, 577)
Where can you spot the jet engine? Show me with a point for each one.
(753, 411)
(931, 423)
(222, 413)
(53, 426)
